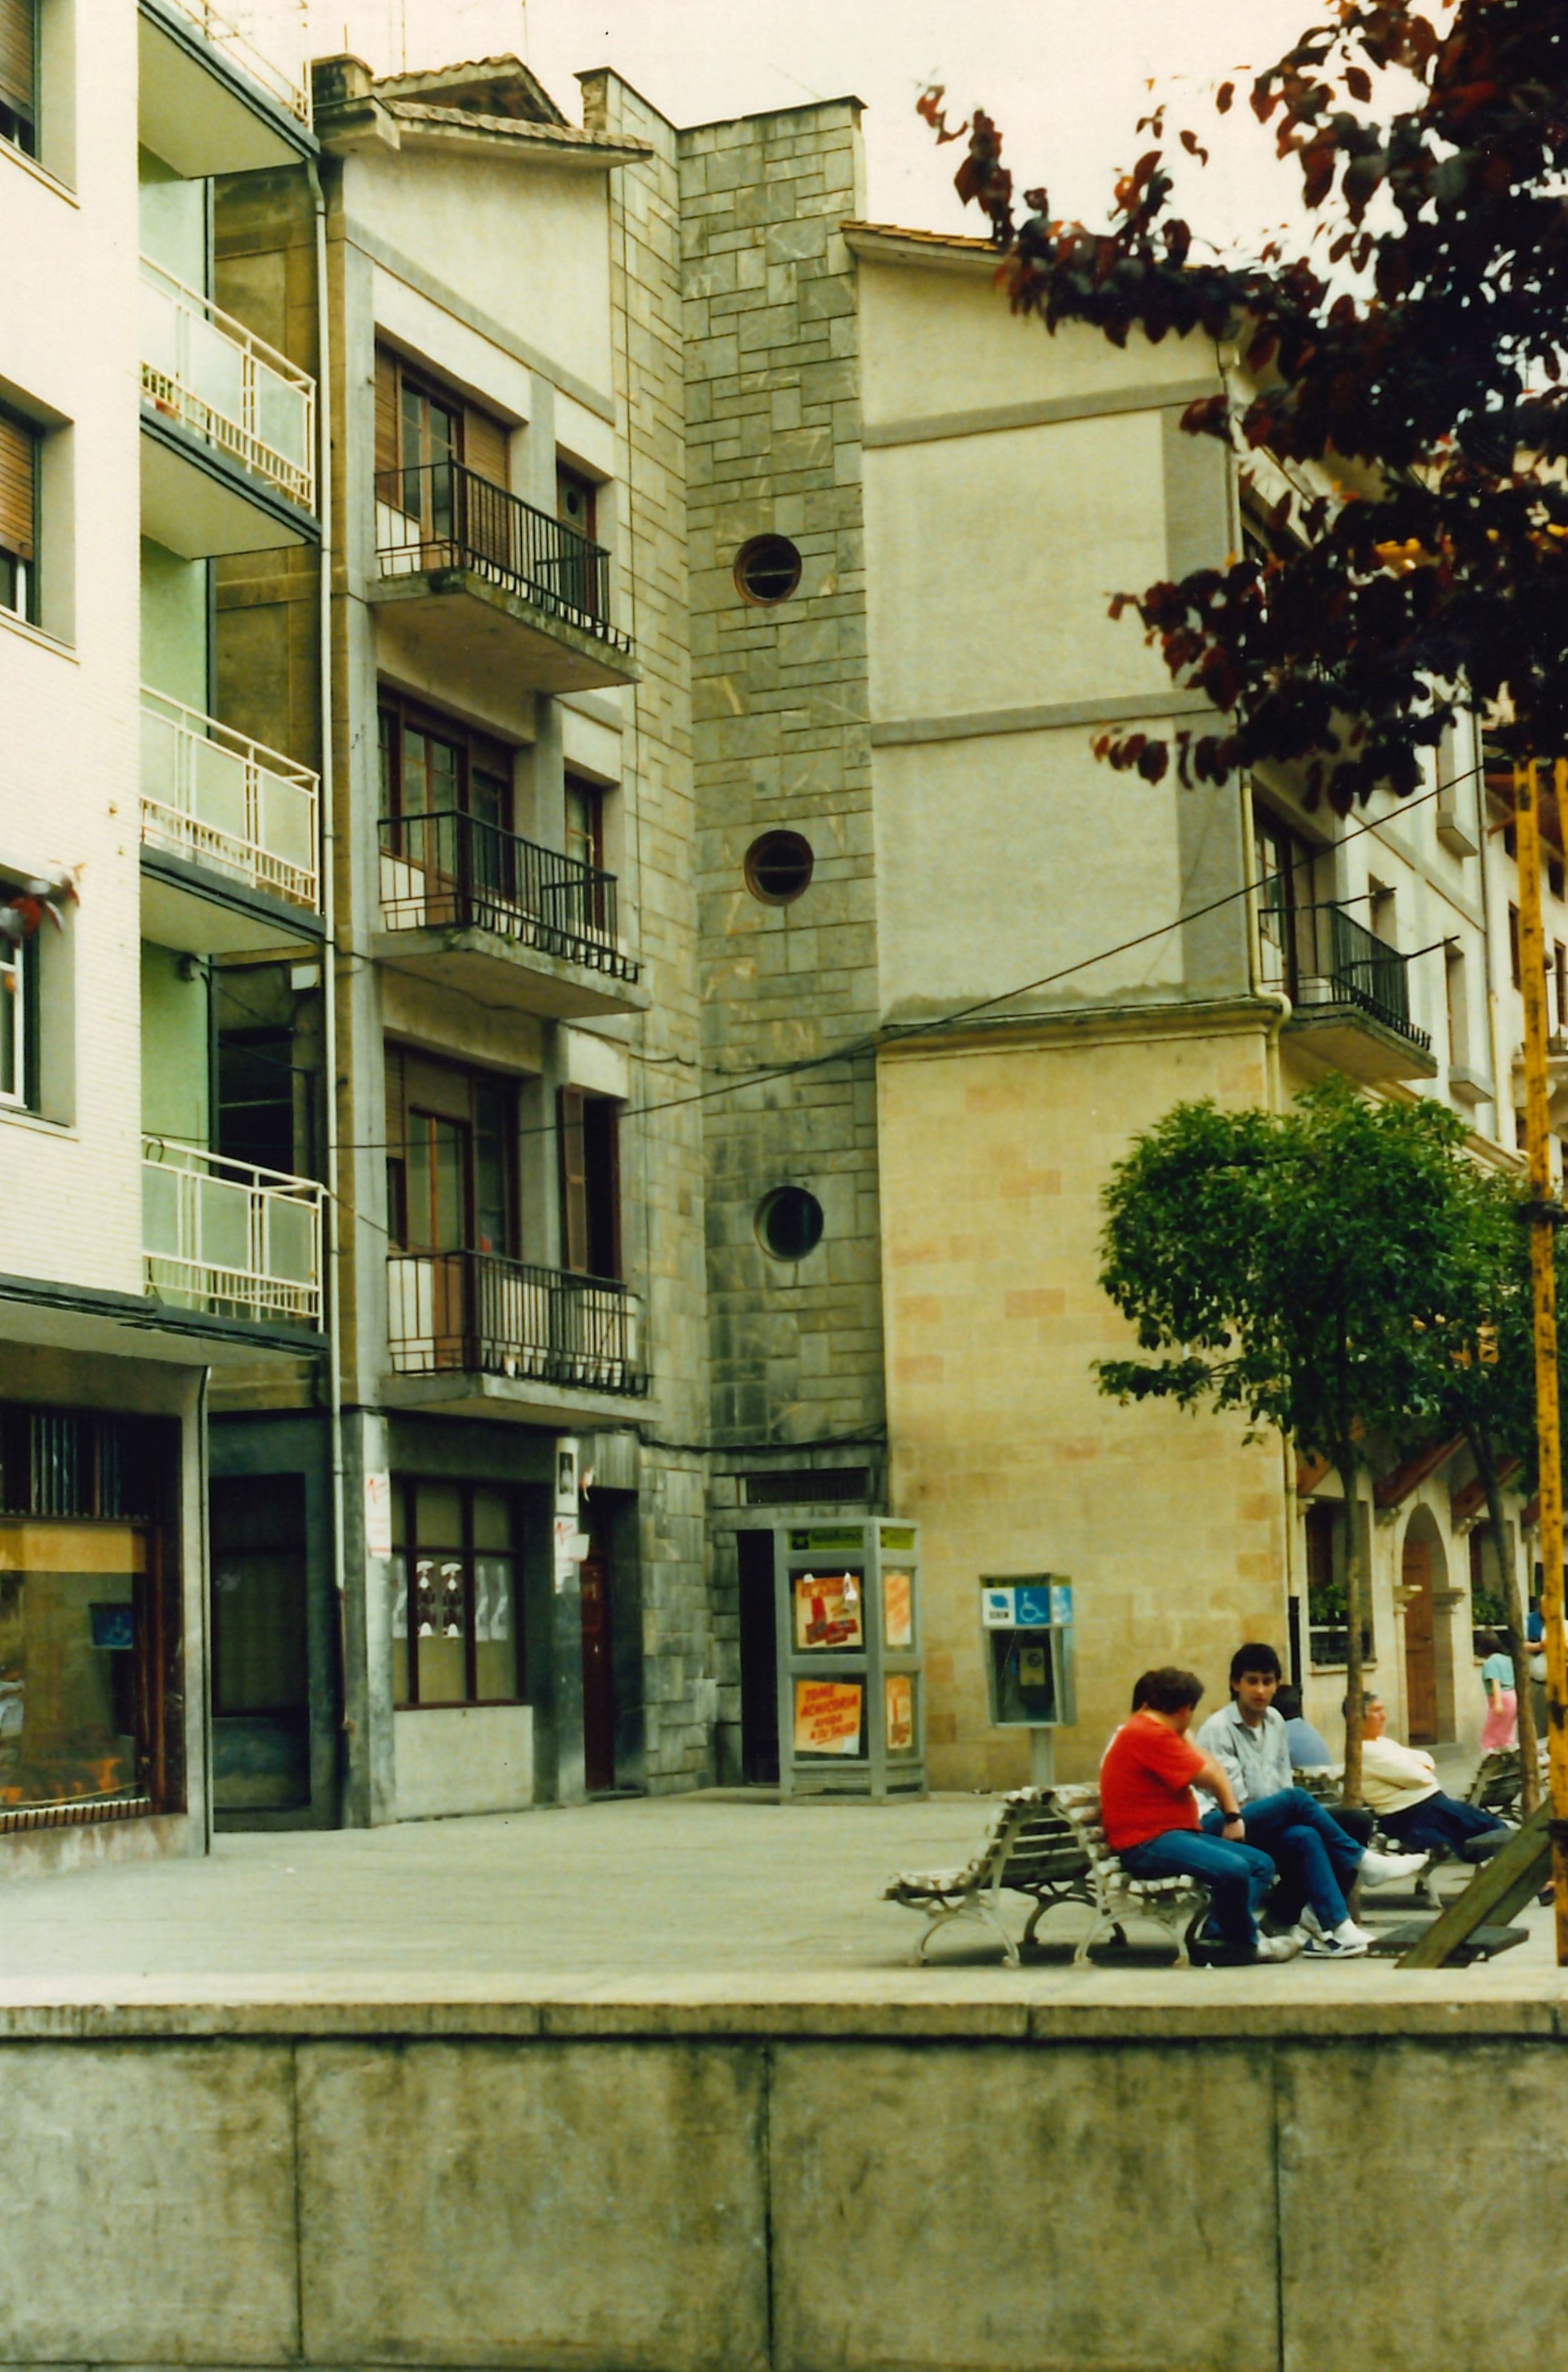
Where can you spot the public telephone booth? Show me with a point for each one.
(1026, 1634)
(852, 1683)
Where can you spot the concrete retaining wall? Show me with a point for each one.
(612, 2189)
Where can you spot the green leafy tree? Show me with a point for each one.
(1412, 350)
(1481, 1383)
(1296, 1267)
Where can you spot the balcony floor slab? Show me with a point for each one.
(564, 1408)
(1346, 1039)
(198, 504)
(465, 623)
(205, 913)
(502, 973)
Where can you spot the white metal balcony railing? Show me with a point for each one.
(209, 372)
(230, 1239)
(226, 36)
(215, 797)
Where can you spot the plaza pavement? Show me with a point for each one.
(680, 1901)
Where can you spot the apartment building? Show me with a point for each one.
(142, 433)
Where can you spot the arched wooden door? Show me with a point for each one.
(1420, 1655)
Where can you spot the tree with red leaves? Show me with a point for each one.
(1407, 373)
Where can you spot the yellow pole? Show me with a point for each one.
(1543, 1272)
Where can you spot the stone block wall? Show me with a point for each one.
(781, 739)
(662, 1149)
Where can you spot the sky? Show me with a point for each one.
(1066, 79)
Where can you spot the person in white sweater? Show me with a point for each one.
(1399, 1784)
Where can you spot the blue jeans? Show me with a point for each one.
(1312, 1852)
(1438, 1824)
(1237, 1876)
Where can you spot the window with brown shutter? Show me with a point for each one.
(485, 444)
(18, 72)
(386, 409)
(588, 1128)
(19, 514)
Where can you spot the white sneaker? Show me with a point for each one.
(1335, 1948)
(1382, 1869)
(1277, 1947)
(1346, 1932)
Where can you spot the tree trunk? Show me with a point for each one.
(1513, 1607)
(1358, 1591)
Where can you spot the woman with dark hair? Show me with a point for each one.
(1501, 1728)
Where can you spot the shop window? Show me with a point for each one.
(260, 1661)
(589, 1132)
(1326, 1544)
(457, 1630)
(89, 1616)
(19, 75)
(20, 444)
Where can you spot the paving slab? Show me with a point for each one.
(687, 1915)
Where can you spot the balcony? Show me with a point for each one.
(461, 899)
(1350, 990)
(465, 1315)
(229, 837)
(229, 457)
(228, 1240)
(482, 577)
(209, 100)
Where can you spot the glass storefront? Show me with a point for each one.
(73, 1713)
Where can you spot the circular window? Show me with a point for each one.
(767, 568)
(789, 1223)
(779, 868)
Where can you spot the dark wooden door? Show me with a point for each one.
(1420, 1659)
(598, 1674)
(759, 1661)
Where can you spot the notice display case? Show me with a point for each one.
(851, 1680)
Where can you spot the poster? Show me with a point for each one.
(826, 1717)
(901, 1713)
(828, 1612)
(377, 1515)
(898, 1610)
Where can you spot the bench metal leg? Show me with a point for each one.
(975, 1907)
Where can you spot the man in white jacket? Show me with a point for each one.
(1400, 1783)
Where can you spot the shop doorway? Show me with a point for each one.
(260, 1668)
(759, 1661)
(1418, 1579)
(599, 1669)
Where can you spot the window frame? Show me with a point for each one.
(406, 1104)
(408, 1552)
(587, 1129)
(19, 989)
(477, 751)
(25, 565)
(25, 139)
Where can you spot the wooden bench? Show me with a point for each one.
(1499, 1780)
(1177, 1904)
(1029, 1848)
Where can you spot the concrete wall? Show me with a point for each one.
(608, 2189)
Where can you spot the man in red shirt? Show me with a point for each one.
(1151, 1814)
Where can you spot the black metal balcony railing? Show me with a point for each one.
(444, 515)
(454, 870)
(1322, 954)
(477, 1313)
